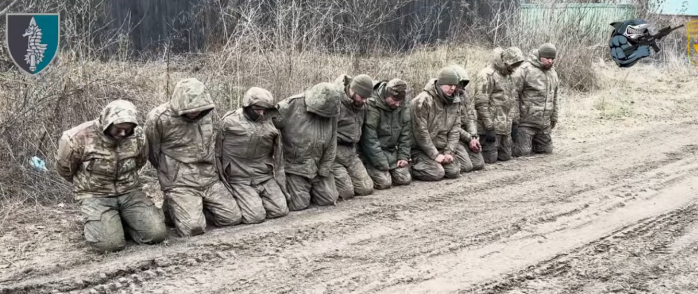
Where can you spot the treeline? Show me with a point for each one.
(104, 28)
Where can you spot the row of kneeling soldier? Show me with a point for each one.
(335, 140)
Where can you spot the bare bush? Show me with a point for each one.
(284, 46)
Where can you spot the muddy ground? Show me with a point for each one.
(613, 210)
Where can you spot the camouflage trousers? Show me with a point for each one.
(532, 139)
(110, 220)
(427, 169)
(186, 207)
(500, 150)
(301, 190)
(260, 201)
(350, 175)
(384, 179)
(469, 160)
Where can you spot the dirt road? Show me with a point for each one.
(610, 211)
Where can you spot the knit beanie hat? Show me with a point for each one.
(447, 76)
(362, 85)
(547, 50)
(397, 89)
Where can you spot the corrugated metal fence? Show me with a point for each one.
(190, 25)
(590, 20)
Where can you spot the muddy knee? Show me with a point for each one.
(545, 149)
(502, 156)
(154, 233)
(248, 217)
(105, 246)
(401, 176)
(104, 239)
(489, 157)
(383, 184)
(478, 161)
(364, 187)
(432, 172)
(277, 213)
(381, 180)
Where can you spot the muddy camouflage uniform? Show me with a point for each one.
(182, 151)
(104, 174)
(250, 155)
(350, 175)
(308, 125)
(436, 130)
(495, 102)
(538, 106)
(386, 137)
(468, 159)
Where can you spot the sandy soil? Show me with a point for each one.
(612, 210)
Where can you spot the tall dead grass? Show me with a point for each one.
(286, 56)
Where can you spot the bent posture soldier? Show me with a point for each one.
(250, 155)
(349, 172)
(436, 128)
(101, 158)
(181, 137)
(387, 135)
(468, 151)
(308, 125)
(495, 102)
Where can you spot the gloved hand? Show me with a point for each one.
(641, 52)
(490, 136)
(514, 131)
(552, 124)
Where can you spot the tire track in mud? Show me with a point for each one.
(652, 236)
(403, 256)
(369, 229)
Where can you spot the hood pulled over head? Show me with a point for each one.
(323, 99)
(117, 112)
(191, 95)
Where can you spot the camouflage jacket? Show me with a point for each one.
(309, 140)
(181, 149)
(537, 93)
(97, 164)
(387, 133)
(468, 118)
(495, 98)
(435, 123)
(351, 118)
(250, 152)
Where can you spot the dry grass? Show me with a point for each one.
(34, 111)
(596, 99)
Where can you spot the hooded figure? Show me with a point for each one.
(495, 102)
(350, 175)
(250, 155)
(468, 150)
(181, 137)
(308, 126)
(387, 135)
(436, 128)
(101, 158)
(538, 85)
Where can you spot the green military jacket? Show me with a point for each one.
(537, 93)
(387, 133)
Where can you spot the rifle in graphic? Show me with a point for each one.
(651, 40)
